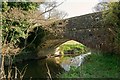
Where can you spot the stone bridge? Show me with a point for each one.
(87, 29)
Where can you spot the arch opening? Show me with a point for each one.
(71, 53)
(71, 47)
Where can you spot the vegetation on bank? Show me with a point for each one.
(111, 17)
(22, 30)
(73, 47)
(96, 65)
(69, 50)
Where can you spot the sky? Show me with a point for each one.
(78, 7)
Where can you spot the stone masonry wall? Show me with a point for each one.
(88, 29)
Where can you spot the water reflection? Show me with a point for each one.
(38, 69)
(67, 62)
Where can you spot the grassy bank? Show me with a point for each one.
(73, 47)
(96, 65)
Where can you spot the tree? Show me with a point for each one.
(101, 6)
(16, 23)
(49, 8)
(19, 19)
(111, 18)
(112, 15)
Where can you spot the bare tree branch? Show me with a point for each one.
(48, 72)
(51, 8)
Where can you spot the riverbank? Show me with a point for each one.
(97, 65)
(68, 48)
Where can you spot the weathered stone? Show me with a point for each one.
(87, 29)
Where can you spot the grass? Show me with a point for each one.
(97, 65)
(73, 45)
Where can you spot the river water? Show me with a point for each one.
(38, 68)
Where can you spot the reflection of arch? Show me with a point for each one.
(69, 50)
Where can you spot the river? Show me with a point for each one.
(38, 68)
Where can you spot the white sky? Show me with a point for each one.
(77, 7)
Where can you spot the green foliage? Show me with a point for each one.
(14, 30)
(19, 21)
(77, 48)
(97, 65)
(69, 50)
(112, 18)
(21, 5)
(16, 23)
(112, 15)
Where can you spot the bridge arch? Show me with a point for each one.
(70, 47)
(87, 29)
